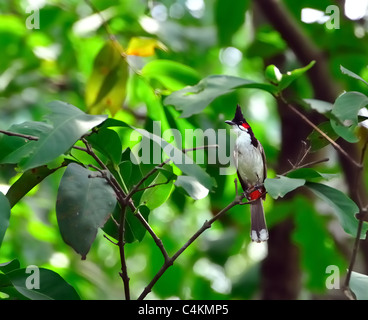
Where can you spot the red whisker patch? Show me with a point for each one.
(245, 125)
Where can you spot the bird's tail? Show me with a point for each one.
(259, 230)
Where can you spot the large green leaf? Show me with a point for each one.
(51, 285)
(84, 203)
(13, 149)
(4, 216)
(192, 100)
(344, 208)
(68, 125)
(280, 186)
(27, 181)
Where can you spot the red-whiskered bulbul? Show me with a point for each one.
(250, 162)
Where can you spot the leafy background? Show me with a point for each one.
(187, 41)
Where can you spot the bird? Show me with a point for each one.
(250, 162)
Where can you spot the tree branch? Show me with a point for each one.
(121, 243)
(20, 135)
(362, 216)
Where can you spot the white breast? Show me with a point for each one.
(248, 160)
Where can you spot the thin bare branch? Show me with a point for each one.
(20, 135)
(362, 215)
(121, 243)
(336, 146)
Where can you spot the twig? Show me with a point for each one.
(154, 185)
(140, 182)
(324, 135)
(295, 167)
(20, 135)
(106, 237)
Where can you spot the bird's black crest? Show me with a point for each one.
(238, 115)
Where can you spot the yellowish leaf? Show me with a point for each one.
(144, 47)
(106, 87)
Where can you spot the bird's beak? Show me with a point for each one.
(229, 122)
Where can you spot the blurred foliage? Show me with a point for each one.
(196, 39)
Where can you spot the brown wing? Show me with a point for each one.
(260, 148)
(242, 182)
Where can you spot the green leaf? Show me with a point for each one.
(226, 26)
(134, 230)
(9, 266)
(192, 187)
(106, 87)
(28, 181)
(192, 100)
(346, 108)
(352, 74)
(154, 197)
(14, 149)
(84, 203)
(345, 132)
(348, 104)
(4, 216)
(51, 285)
(343, 207)
(358, 284)
(68, 124)
(319, 105)
(280, 186)
(317, 141)
(289, 77)
(171, 74)
(309, 174)
(107, 142)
